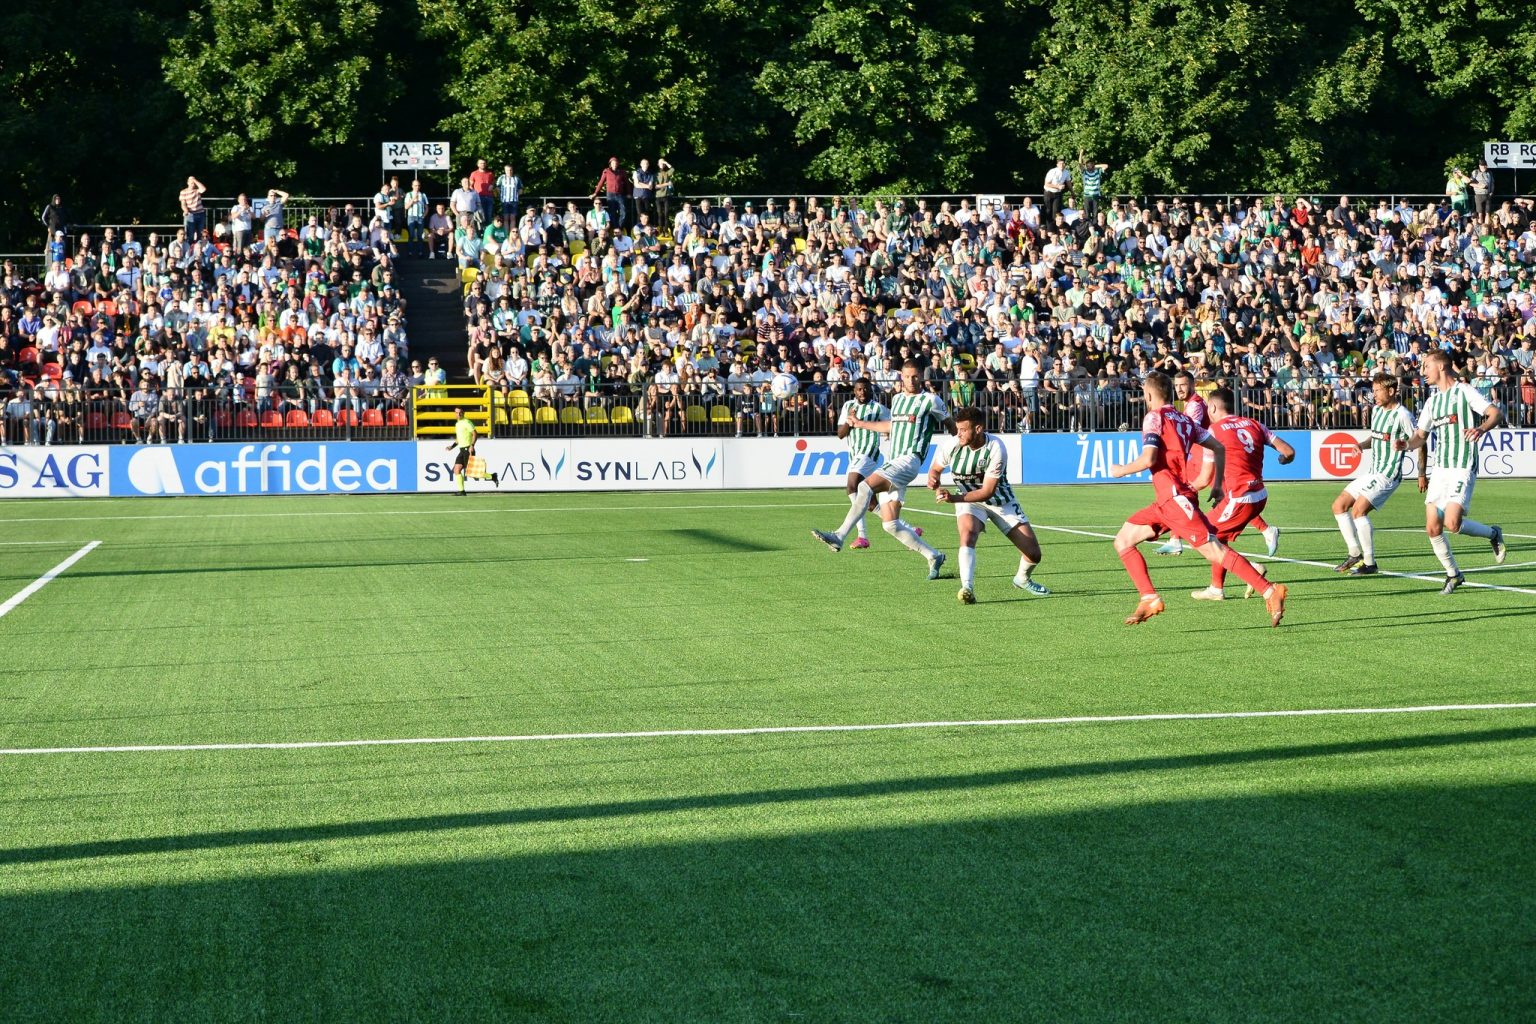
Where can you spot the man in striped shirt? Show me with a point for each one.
(1390, 424)
(1092, 175)
(1449, 414)
(915, 415)
(863, 443)
(978, 463)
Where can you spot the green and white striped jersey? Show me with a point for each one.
(1387, 427)
(860, 440)
(1446, 416)
(971, 467)
(914, 418)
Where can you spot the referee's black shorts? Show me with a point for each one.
(461, 460)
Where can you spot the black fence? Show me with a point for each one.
(49, 415)
(53, 414)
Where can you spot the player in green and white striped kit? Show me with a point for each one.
(1390, 423)
(979, 464)
(863, 443)
(1450, 413)
(915, 415)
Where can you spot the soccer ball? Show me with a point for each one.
(784, 386)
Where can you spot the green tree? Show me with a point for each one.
(882, 95)
(275, 86)
(1213, 94)
(559, 87)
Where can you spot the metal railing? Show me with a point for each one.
(49, 414)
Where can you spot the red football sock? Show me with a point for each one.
(1259, 523)
(1245, 571)
(1218, 575)
(1136, 565)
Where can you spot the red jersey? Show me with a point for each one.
(1194, 408)
(481, 181)
(1244, 439)
(1171, 435)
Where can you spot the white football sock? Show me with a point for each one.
(967, 567)
(1443, 552)
(1347, 528)
(1367, 533)
(1025, 567)
(902, 532)
(1473, 528)
(853, 500)
(859, 504)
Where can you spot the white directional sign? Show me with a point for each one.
(1519, 156)
(415, 156)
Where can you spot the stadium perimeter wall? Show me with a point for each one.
(606, 464)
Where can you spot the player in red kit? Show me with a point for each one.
(1244, 440)
(1195, 408)
(1167, 437)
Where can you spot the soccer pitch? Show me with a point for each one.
(1322, 867)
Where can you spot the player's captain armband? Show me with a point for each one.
(1152, 428)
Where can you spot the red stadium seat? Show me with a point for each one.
(53, 370)
(108, 307)
(346, 418)
(27, 355)
(298, 418)
(247, 419)
(373, 418)
(323, 418)
(121, 421)
(396, 418)
(84, 307)
(95, 421)
(271, 418)
(222, 419)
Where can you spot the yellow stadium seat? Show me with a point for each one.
(499, 416)
(621, 416)
(468, 274)
(719, 414)
(571, 415)
(546, 416)
(597, 416)
(799, 245)
(696, 414)
(577, 247)
(518, 399)
(521, 417)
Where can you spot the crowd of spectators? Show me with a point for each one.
(179, 336)
(1046, 314)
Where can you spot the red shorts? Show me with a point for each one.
(1178, 515)
(1231, 517)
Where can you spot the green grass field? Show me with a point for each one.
(1373, 867)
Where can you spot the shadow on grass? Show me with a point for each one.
(759, 798)
(1402, 903)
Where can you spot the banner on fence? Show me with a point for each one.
(584, 464)
(54, 472)
(295, 467)
(1501, 453)
(775, 462)
(1087, 458)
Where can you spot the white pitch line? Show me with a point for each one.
(1439, 580)
(427, 512)
(45, 579)
(772, 730)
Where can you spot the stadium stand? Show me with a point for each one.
(586, 317)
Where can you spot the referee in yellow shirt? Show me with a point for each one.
(464, 441)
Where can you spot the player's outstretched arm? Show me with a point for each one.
(1287, 453)
(1413, 443)
(1140, 464)
(1219, 465)
(878, 426)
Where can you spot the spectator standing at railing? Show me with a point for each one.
(242, 220)
(1482, 187)
(613, 187)
(509, 193)
(272, 214)
(55, 220)
(1092, 175)
(484, 184)
(193, 217)
(415, 205)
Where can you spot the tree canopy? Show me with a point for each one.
(115, 105)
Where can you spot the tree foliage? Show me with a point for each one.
(115, 104)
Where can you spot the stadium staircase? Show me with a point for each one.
(435, 303)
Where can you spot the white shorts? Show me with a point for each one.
(863, 465)
(1004, 517)
(1373, 488)
(1450, 487)
(900, 471)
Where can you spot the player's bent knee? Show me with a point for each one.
(891, 525)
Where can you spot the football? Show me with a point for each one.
(784, 385)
